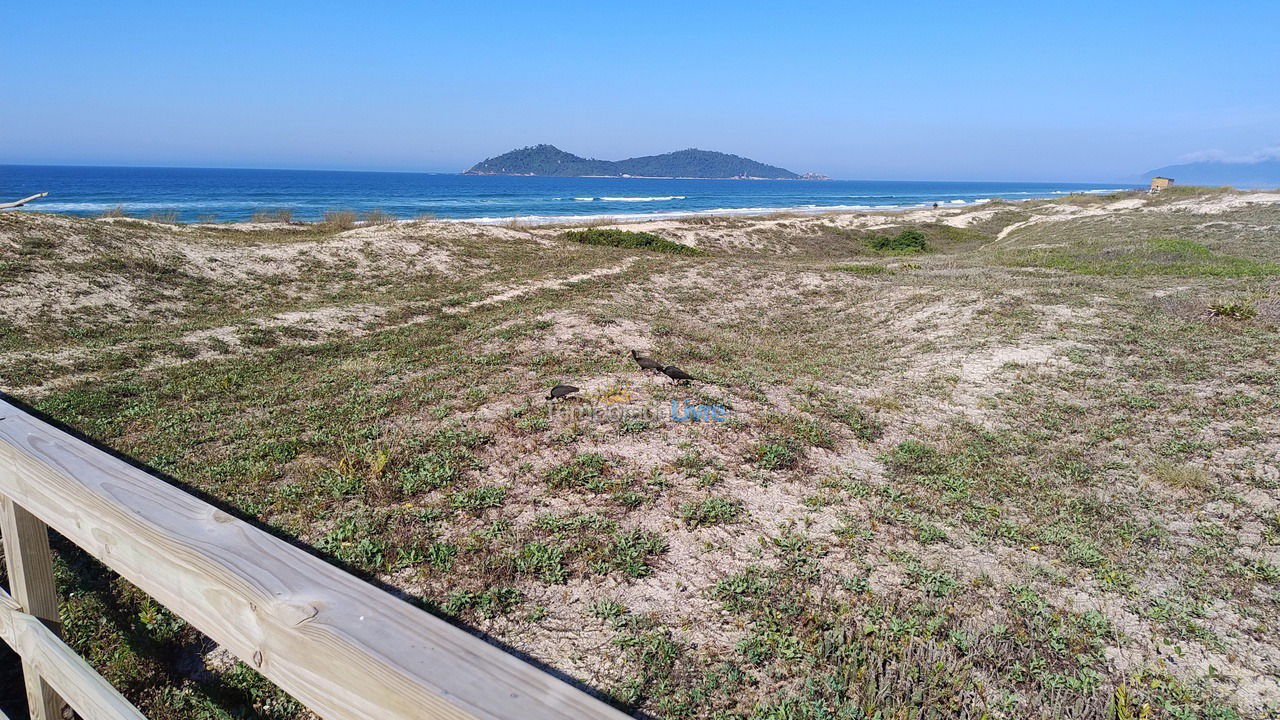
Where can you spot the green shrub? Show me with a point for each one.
(586, 470)
(435, 469)
(1233, 310)
(907, 241)
(632, 551)
(543, 560)
(607, 609)
(613, 237)
(478, 498)
(711, 511)
(775, 453)
(490, 603)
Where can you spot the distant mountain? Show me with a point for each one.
(552, 161)
(1263, 173)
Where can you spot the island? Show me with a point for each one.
(551, 161)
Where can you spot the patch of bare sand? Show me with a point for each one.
(380, 249)
(582, 332)
(533, 287)
(1223, 203)
(945, 340)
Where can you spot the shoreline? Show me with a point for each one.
(642, 217)
(755, 212)
(223, 197)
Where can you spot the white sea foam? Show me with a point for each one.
(670, 215)
(1099, 191)
(92, 206)
(491, 210)
(746, 211)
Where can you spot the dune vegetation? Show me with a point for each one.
(1015, 460)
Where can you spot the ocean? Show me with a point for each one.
(225, 195)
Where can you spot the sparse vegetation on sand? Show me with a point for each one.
(378, 217)
(339, 219)
(1028, 474)
(862, 268)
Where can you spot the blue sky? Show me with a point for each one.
(1004, 91)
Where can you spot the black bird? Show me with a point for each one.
(677, 374)
(646, 363)
(561, 391)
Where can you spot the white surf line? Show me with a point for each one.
(517, 291)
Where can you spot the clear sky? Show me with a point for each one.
(885, 90)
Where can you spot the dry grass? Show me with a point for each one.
(1180, 476)
(378, 217)
(281, 215)
(339, 219)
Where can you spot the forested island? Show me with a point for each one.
(549, 160)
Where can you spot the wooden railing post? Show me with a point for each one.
(30, 563)
(340, 646)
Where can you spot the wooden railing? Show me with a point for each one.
(339, 645)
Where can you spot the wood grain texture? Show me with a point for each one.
(339, 645)
(65, 671)
(30, 565)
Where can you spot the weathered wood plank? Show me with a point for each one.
(8, 606)
(30, 564)
(23, 201)
(68, 673)
(339, 645)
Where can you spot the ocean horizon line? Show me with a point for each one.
(239, 168)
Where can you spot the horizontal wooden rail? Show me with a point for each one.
(75, 681)
(342, 647)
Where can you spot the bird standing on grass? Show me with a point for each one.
(561, 391)
(676, 374)
(646, 363)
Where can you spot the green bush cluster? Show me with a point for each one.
(1233, 310)
(907, 241)
(612, 237)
